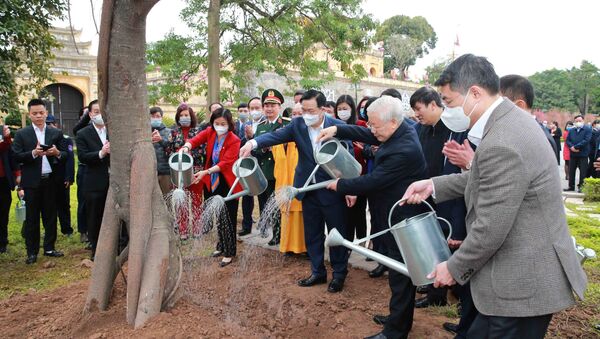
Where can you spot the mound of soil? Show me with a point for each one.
(238, 301)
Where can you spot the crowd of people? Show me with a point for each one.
(473, 149)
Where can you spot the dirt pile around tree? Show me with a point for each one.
(255, 297)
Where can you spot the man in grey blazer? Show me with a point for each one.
(518, 254)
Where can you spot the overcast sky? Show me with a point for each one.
(517, 36)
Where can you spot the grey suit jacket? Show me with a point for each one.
(518, 253)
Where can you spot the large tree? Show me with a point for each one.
(25, 47)
(415, 33)
(134, 197)
(259, 36)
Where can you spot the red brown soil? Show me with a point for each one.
(222, 303)
(255, 297)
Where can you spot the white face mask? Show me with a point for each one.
(579, 124)
(310, 119)
(220, 129)
(344, 114)
(243, 117)
(97, 120)
(455, 119)
(256, 115)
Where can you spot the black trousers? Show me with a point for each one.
(357, 219)
(402, 302)
(491, 327)
(94, 206)
(5, 202)
(63, 206)
(40, 201)
(226, 228)
(247, 209)
(262, 201)
(574, 164)
(81, 215)
(468, 312)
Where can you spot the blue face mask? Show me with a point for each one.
(569, 128)
(155, 123)
(362, 113)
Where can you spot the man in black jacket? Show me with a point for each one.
(66, 171)
(39, 150)
(397, 163)
(161, 136)
(93, 149)
(84, 120)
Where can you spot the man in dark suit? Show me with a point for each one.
(271, 101)
(578, 142)
(39, 150)
(93, 149)
(8, 174)
(65, 170)
(84, 120)
(398, 162)
(594, 143)
(247, 200)
(319, 206)
(520, 91)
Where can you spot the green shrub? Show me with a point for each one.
(591, 189)
(168, 121)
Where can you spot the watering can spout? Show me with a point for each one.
(336, 239)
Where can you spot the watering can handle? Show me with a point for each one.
(426, 203)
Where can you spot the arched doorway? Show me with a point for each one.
(64, 102)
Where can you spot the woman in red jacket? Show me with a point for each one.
(222, 150)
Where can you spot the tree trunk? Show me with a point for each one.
(214, 62)
(153, 255)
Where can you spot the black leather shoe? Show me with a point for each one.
(424, 303)
(378, 271)
(311, 281)
(2, 249)
(450, 327)
(379, 335)
(243, 233)
(224, 262)
(336, 285)
(380, 319)
(424, 289)
(31, 259)
(53, 253)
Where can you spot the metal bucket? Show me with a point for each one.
(182, 169)
(250, 176)
(20, 211)
(421, 243)
(335, 159)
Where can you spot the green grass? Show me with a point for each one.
(19, 278)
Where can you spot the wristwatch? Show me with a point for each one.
(468, 167)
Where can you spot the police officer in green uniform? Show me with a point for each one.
(271, 101)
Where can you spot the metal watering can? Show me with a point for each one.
(583, 253)
(20, 210)
(182, 169)
(419, 238)
(250, 176)
(336, 160)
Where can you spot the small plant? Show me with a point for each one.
(591, 189)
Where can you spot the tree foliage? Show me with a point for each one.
(402, 28)
(264, 35)
(433, 71)
(574, 90)
(25, 47)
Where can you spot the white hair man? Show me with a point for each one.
(397, 163)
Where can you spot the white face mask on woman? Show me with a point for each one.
(220, 129)
(344, 114)
(455, 119)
